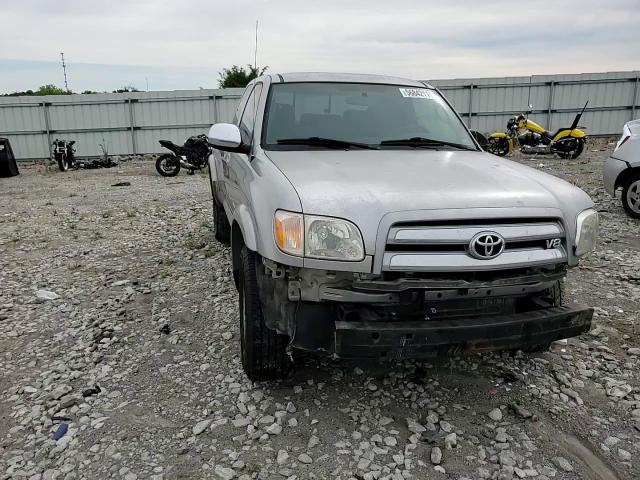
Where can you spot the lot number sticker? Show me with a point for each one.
(416, 93)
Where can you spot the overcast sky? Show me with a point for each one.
(184, 44)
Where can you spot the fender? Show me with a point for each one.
(575, 133)
(503, 135)
(497, 135)
(213, 172)
(247, 227)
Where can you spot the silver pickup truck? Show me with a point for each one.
(366, 222)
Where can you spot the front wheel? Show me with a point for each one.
(263, 351)
(631, 196)
(63, 163)
(498, 146)
(168, 165)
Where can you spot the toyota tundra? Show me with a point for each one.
(365, 221)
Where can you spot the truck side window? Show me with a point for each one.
(241, 104)
(249, 115)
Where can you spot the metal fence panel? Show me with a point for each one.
(125, 123)
(134, 122)
(487, 103)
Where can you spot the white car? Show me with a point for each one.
(622, 169)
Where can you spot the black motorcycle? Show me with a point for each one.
(194, 154)
(63, 153)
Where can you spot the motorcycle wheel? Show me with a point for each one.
(168, 165)
(576, 153)
(63, 164)
(498, 146)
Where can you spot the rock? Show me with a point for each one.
(414, 427)
(633, 351)
(68, 401)
(240, 422)
(282, 457)
(436, 455)
(624, 455)
(445, 426)
(563, 464)
(59, 392)
(274, 429)
(44, 295)
(507, 458)
(224, 473)
(610, 441)
(304, 458)
(227, 336)
(201, 426)
(450, 441)
(390, 441)
(313, 441)
(495, 415)
(520, 410)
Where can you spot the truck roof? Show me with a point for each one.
(343, 77)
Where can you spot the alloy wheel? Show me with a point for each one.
(633, 196)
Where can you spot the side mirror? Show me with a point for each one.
(226, 136)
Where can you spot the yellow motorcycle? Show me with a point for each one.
(532, 138)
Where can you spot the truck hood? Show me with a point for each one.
(361, 185)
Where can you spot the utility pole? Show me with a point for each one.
(255, 54)
(64, 70)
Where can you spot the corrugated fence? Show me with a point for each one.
(487, 103)
(134, 122)
(126, 123)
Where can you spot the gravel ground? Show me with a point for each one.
(118, 323)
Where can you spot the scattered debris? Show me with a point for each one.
(60, 431)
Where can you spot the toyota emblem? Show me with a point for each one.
(486, 245)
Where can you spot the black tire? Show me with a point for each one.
(577, 151)
(263, 351)
(631, 195)
(555, 296)
(168, 165)
(221, 227)
(63, 163)
(498, 146)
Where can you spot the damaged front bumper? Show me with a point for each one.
(412, 316)
(419, 338)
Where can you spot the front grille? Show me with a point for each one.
(444, 246)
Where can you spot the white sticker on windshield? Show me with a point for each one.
(416, 93)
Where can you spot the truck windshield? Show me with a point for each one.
(303, 116)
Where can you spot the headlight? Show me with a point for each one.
(332, 238)
(586, 232)
(324, 237)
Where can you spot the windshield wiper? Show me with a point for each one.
(418, 142)
(324, 142)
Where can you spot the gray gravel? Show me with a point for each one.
(118, 323)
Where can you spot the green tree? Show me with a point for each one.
(239, 77)
(50, 89)
(126, 89)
